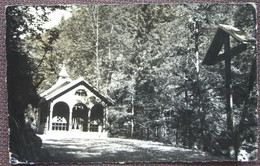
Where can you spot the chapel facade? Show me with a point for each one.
(73, 105)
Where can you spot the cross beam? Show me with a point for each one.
(231, 52)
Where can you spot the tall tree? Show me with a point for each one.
(21, 90)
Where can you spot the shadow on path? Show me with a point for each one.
(82, 150)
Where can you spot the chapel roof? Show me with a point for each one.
(65, 84)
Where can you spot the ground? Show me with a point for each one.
(62, 149)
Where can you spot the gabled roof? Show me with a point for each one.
(55, 87)
(212, 55)
(57, 91)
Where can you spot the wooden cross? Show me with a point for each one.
(213, 56)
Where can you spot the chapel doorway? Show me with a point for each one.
(60, 117)
(96, 118)
(80, 117)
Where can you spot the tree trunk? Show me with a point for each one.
(97, 46)
(200, 111)
(110, 62)
(133, 107)
(132, 121)
(238, 139)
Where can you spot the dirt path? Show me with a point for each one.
(78, 150)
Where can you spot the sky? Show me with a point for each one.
(55, 18)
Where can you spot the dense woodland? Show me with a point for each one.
(148, 59)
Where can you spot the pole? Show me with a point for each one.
(228, 86)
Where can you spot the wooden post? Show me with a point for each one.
(51, 114)
(89, 112)
(229, 98)
(228, 86)
(70, 119)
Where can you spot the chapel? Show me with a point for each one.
(73, 105)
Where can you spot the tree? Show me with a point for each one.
(21, 91)
(20, 67)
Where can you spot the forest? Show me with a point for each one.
(148, 59)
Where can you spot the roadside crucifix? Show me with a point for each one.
(213, 56)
